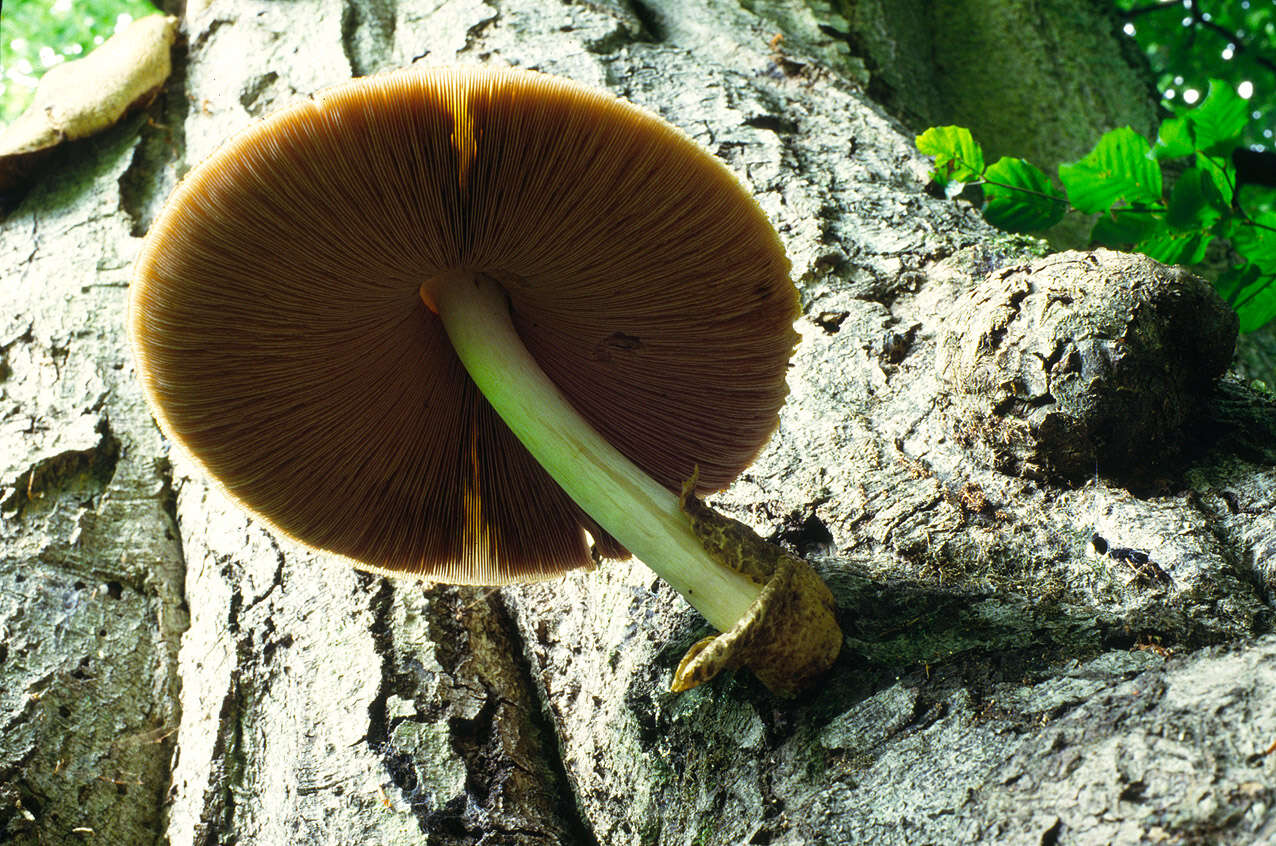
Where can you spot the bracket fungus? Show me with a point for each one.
(447, 322)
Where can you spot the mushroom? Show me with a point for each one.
(456, 323)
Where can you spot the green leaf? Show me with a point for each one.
(1123, 228)
(1221, 174)
(1174, 139)
(1234, 280)
(1218, 121)
(1260, 309)
(1020, 197)
(1119, 169)
(1256, 243)
(1252, 293)
(1170, 247)
(957, 155)
(1195, 202)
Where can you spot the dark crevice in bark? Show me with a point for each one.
(161, 141)
(175, 608)
(277, 578)
(227, 762)
(462, 822)
(653, 25)
(539, 717)
(81, 475)
(514, 780)
(367, 34)
(254, 89)
(168, 504)
(474, 35)
(804, 532)
(18, 801)
(776, 123)
(399, 766)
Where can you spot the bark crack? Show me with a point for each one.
(367, 34)
(398, 766)
(570, 806)
(228, 761)
(160, 146)
(82, 473)
(515, 779)
(653, 24)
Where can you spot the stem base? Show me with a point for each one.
(789, 635)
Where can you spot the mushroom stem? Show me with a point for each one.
(640, 513)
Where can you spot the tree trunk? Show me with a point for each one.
(170, 671)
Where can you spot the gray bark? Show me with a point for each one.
(172, 672)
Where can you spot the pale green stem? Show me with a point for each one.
(638, 512)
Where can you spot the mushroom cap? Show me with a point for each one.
(280, 338)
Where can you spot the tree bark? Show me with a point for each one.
(172, 672)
